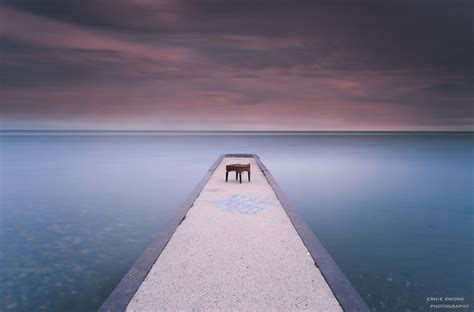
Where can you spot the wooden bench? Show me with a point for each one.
(238, 168)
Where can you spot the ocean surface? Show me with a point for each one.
(395, 211)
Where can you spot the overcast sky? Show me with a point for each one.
(237, 65)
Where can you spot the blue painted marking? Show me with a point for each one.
(244, 204)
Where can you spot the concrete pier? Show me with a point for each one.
(237, 247)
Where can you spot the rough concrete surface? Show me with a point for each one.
(235, 250)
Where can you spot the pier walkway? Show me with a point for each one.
(236, 248)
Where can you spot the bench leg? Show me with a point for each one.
(236, 176)
(249, 176)
(226, 175)
(240, 175)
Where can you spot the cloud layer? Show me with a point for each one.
(237, 65)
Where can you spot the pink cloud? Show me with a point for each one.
(41, 31)
(180, 82)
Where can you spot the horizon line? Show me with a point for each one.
(237, 131)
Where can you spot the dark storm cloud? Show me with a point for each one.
(61, 67)
(48, 66)
(423, 33)
(410, 60)
(456, 87)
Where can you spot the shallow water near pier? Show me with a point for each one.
(395, 211)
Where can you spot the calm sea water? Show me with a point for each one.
(394, 211)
